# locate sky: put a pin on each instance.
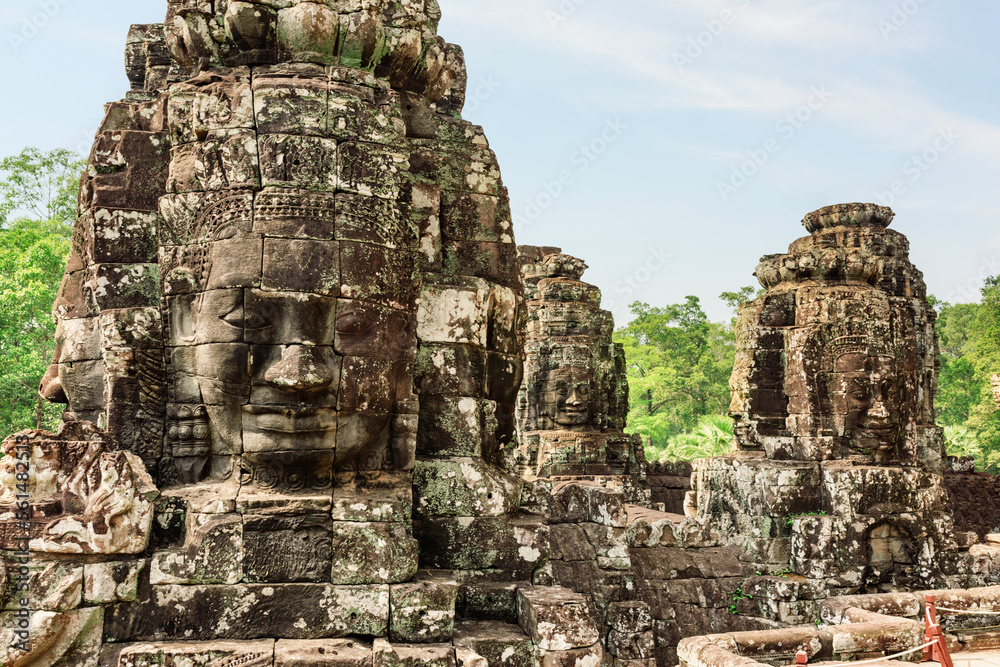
(669, 143)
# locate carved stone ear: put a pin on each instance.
(190, 42)
(308, 32)
(252, 29)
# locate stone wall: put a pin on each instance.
(669, 482)
(974, 499)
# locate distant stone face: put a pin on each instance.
(837, 476)
(574, 399)
(838, 358)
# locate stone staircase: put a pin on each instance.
(432, 620)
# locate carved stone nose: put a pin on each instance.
(574, 398)
(301, 369)
(51, 388)
(878, 410)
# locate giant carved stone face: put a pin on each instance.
(566, 394)
(865, 402)
(286, 283)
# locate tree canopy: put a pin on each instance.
(37, 210)
(679, 365)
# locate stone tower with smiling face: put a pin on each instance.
(573, 402)
(838, 471)
(289, 342)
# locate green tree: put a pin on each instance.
(679, 365)
(736, 299)
(711, 436)
(983, 347)
(40, 190)
(40, 185)
(960, 385)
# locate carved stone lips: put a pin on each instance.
(285, 419)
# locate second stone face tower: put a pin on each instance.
(574, 399)
(839, 459)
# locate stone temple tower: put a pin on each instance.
(289, 343)
(573, 402)
(839, 461)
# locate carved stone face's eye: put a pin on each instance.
(257, 320)
(354, 322)
(859, 389)
(235, 317)
(225, 233)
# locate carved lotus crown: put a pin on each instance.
(394, 38)
(846, 246)
(848, 215)
(820, 264)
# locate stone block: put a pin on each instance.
(287, 548)
(371, 220)
(376, 273)
(463, 487)
(308, 33)
(224, 160)
(52, 586)
(294, 161)
(387, 499)
(298, 265)
(517, 545)
(321, 653)
(499, 643)
(570, 543)
(580, 502)
(252, 611)
(182, 653)
(449, 370)
(454, 314)
(125, 285)
(235, 263)
(580, 657)
(75, 298)
(122, 237)
(214, 553)
(402, 655)
(474, 217)
(290, 105)
(71, 638)
(556, 619)
(370, 553)
(423, 610)
(203, 217)
(370, 170)
(115, 581)
(295, 213)
(227, 103)
(450, 426)
(468, 658)
(78, 340)
(488, 601)
(495, 262)
(351, 115)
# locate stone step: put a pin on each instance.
(476, 645)
(500, 644)
(421, 610)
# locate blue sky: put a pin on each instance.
(669, 143)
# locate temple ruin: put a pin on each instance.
(321, 410)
